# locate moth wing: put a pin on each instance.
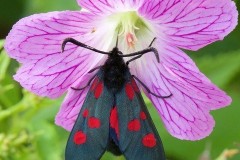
(89, 137)
(138, 137)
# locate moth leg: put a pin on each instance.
(148, 90)
(142, 52)
(92, 70)
(71, 40)
(89, 82)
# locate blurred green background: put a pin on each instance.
(27, 129)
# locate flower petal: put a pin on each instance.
(74, 100)
(36, 42)
(37, 36)
(109, 6)
(71, 106)
(192, 24)
(186, 112)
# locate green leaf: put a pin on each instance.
(39, 6)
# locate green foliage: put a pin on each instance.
(27, 129)
(39, 6)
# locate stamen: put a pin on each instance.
(128, 23)
(130, 40)
(93, 30)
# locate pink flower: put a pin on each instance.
(35, 42)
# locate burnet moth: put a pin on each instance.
(114, 116)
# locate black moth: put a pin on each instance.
(114, 116)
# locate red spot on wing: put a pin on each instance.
(94, 84)
(143, 115)
(94, 122)
(79, 138)
(149, 140)
(129, 91)
(134, 85)
(134, 125)
(98, 90)
(85, 113)
(114, 120)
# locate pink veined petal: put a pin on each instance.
(74, 100)
(72, 105)
(109, 6)
(40, 35)
(186, 113)
(35, 42)
(191, 24)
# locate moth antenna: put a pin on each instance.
(150, 45)
(155, 51)
(80, 44)
(140, 53)
(64, 44)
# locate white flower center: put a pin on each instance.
(133, 31)
(130, 26)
